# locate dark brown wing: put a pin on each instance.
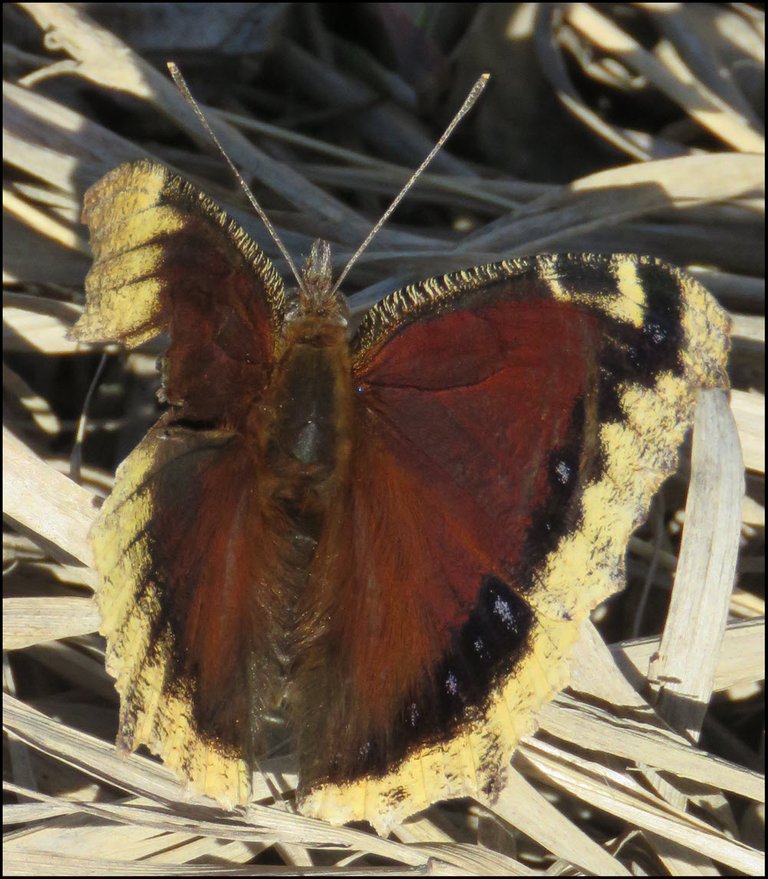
(512, 424)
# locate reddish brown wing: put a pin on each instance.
(189, 566)
(512, 422)
(167, 259)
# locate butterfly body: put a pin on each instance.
(303, 421)
(393, 538)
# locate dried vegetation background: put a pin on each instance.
(610, 127)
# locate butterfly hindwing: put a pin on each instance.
(512, 423)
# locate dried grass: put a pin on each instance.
(616, 781)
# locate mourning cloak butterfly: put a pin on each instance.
(392, 540)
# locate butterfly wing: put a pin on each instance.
(167, 259)
(188, 562)
(511, 425)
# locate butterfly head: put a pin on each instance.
(316, 296)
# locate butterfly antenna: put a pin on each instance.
(474, 94)
(181, 85)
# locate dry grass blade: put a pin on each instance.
(28, 621)
(741, 660)
(43, 501)
(684, 668)
(622, 128)
(591, 203)
(37, 407)
(749, 413)
(33, 324)
(707, 108)
(614, 792)
(596, 730)
(524, 807)
(106, 60)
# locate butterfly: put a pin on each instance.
(387, 542)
